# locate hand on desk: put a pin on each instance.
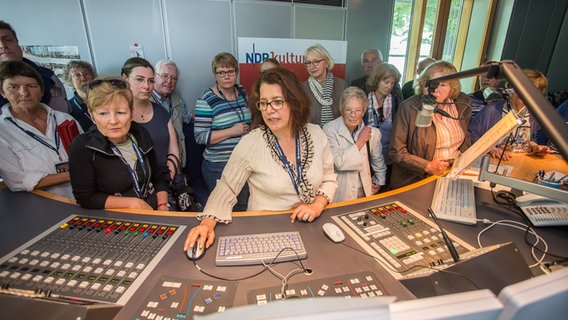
(309, 212)
(534, 149)
(496, 153)
(205, 231)
(538, 150)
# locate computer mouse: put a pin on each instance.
(195, 253)
(333, 232)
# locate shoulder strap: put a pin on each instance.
(174, 160)
(369, 158)
(241, 92)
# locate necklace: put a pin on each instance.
(140, 114)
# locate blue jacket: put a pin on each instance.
(489, 116)
(541, 138)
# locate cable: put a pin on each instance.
(504, 198)
(266, 267)
(528, 223)
(507, 200)
(284, 279)
(447, 115)
(413, 267)
(520, 226)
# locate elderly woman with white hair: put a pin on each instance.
(357, 152)
(323, 88)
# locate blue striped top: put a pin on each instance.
(215, 113)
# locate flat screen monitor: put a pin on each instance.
(542, 297)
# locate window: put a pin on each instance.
(423, 28)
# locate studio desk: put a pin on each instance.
(24, 216)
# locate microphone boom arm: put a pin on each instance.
(553, 126)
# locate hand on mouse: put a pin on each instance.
(205, 231)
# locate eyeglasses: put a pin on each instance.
(222, 74)
(276, 104)
(313, 62)
(357, 112)
(167, 76)
(117, 83)
(81, 75)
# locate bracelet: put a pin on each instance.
(162, 204)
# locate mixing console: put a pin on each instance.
(362, 284)
(399, 237)
(87, 258)
(175, 298)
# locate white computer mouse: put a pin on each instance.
(333, 232)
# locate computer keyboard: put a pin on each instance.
(258, 248)
(454, 200)
(547, 214)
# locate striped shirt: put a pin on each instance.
(449, 134)
(215, 113)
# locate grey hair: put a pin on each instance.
(375, 51)
(353, 92)
(75, 64)
(165, 62)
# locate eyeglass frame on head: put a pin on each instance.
(222, 74)
(314, 62)
(116, 83)
(270, 103)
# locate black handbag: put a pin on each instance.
(182, 193)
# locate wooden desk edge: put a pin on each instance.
(56, 197)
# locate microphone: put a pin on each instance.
(426, 113)
(449, 244)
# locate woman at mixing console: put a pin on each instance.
(114, 165)
(286, 161)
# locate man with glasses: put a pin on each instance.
(54, 94)
(165, 94)
(370, 58)
(77, 75)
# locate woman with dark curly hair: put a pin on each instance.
(286, 161)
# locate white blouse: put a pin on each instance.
(271, 188)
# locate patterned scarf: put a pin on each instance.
(305, 188)
(323, 96)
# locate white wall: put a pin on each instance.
(191, 32)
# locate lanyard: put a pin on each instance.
(139, 186)
(287, 164)
(40, 140)
(240, 113)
